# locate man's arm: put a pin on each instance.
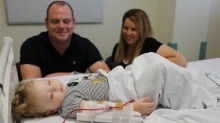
(59, 74)
(98, 65)
(29, 71)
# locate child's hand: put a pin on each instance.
(143, 107)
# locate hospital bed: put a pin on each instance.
(9, 79)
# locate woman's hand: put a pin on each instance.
(144, 107)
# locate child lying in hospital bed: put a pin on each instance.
(150, 75)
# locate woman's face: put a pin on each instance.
(130, 32)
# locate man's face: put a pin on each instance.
(60, 23)
(49, 94)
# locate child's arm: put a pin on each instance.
(143, 107)
(82, 104)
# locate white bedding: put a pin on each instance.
(191, 115)
(184, 116)
(208, 65)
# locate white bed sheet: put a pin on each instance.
(191, 115)
(208, 65)
(164, 115)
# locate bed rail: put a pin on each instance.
(7, 43)
(8, 80)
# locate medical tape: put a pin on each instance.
(119, 106)
(126, 113)
(116, 114)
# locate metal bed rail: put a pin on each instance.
(8, 80)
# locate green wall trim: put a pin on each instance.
(202, 52)
(172, 45)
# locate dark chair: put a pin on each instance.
(19, 71)
(109, 62)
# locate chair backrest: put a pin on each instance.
(109, 62)
(19, 71)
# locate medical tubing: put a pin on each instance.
(95, 109)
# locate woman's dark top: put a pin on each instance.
(150, 45)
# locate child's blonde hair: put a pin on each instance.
(24, 103)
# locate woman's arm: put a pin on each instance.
(172, 55)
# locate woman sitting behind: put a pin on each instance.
(136, 39)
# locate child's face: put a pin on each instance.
(49, 93)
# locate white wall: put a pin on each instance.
(104, 35)
(191, 26)
(213, 45)
(165, 20)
